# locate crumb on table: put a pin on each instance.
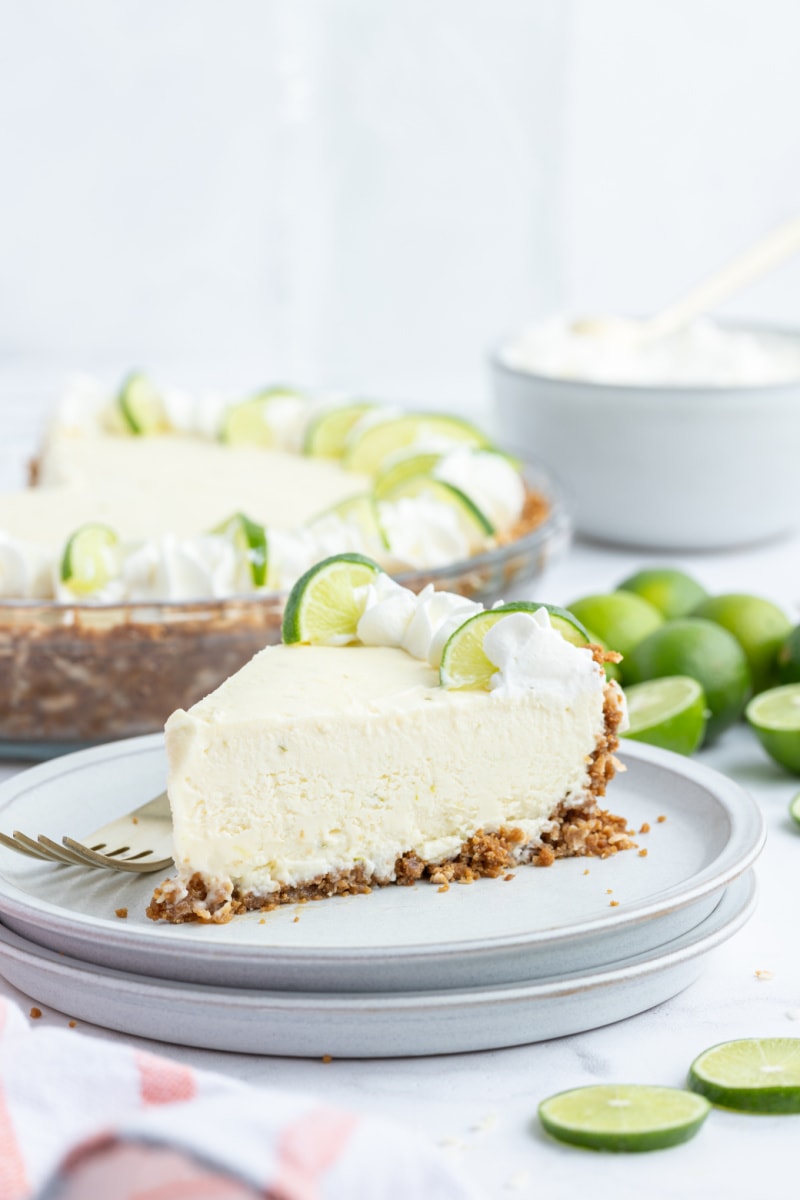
(73, 1024)
(643, 853)
(645, 827)
(35, 1014)
(121, 913)
(613, 904)
(509, 876)
(661, 819)
(326, 1058)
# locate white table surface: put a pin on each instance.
(481, 1108)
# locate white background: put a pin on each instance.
(344, 193)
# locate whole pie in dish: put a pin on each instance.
(391, 737)
(152, 555)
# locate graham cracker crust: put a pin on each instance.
(576, 831)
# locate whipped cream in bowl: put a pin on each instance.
(675, 444)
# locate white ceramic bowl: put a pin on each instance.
(668, 467)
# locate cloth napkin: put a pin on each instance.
(90, 1119)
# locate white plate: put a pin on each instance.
(543, 922)
(310, 1024)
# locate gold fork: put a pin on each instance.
(138, 836)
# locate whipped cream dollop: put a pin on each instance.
(489, 479)
(704, 354)
(528, 652)
(417, 623)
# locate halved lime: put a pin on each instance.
(90, 559)
(250, 540)
(368, 449)
(247, 423)
(673, 592)
(475, 524)
(669, 712)
(361, 512)
(625, 1117)
(465, 663)
(794, 807)
(759, 626)
(141, 406)
(323, 607)
(775, 717)
(399, 470)
(703, 651)
(759, 1075)
(621, 619)
(327, 434)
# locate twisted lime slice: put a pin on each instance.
(624, 1117)
(464, 662)
(90, 559)
(759, 1075)
(669, 712)
(323, 607)
(368, 449)
(361, 512)
(250, 540)
(141, 407)
(247, 423)
(401, 470)
(327, 434)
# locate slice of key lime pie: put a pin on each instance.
(390, 737)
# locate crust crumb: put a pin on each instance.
(661, 819)
(35, 1014)
(643, 852)
(645, 827)
(121, 913)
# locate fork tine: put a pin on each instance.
(5, 840)
(118, 864)
(60, 852)
(28, 844)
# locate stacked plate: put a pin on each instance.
(403, 971)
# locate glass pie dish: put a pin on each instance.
(76, 674)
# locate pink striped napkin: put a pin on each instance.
(96, 1120)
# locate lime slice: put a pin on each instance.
(141, 407)
(464, 662)
(247, 423)
(705, 652)
(368, 449)
(673, 592)
(400, 470)
(323, 607)
(789, 658)
(362, 513)
(759, 626)
(475, 524)
(794, 808)
(619, 618)
(760, 1075)
(775, 716)
(327, 434)
(668, 712)
(624, 1117)
(250, 540)
(90, 559)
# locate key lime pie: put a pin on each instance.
(153, 556)
(392, 736)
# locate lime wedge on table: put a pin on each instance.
(141, 406)
(624, 1117)
(759, 626)
(759, 1075)
(247, 423)
(673, 592)
(90, 559)
(668, 712)
(775, 717)
(703, 651)
(464, 662)
(361, 512)
(369, 448)
(327, 434)
(474, 522)
(619, 618)
(794, 808)
(323, 607)
(250, 540)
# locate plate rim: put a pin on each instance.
(17, 903)
(694, 943)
